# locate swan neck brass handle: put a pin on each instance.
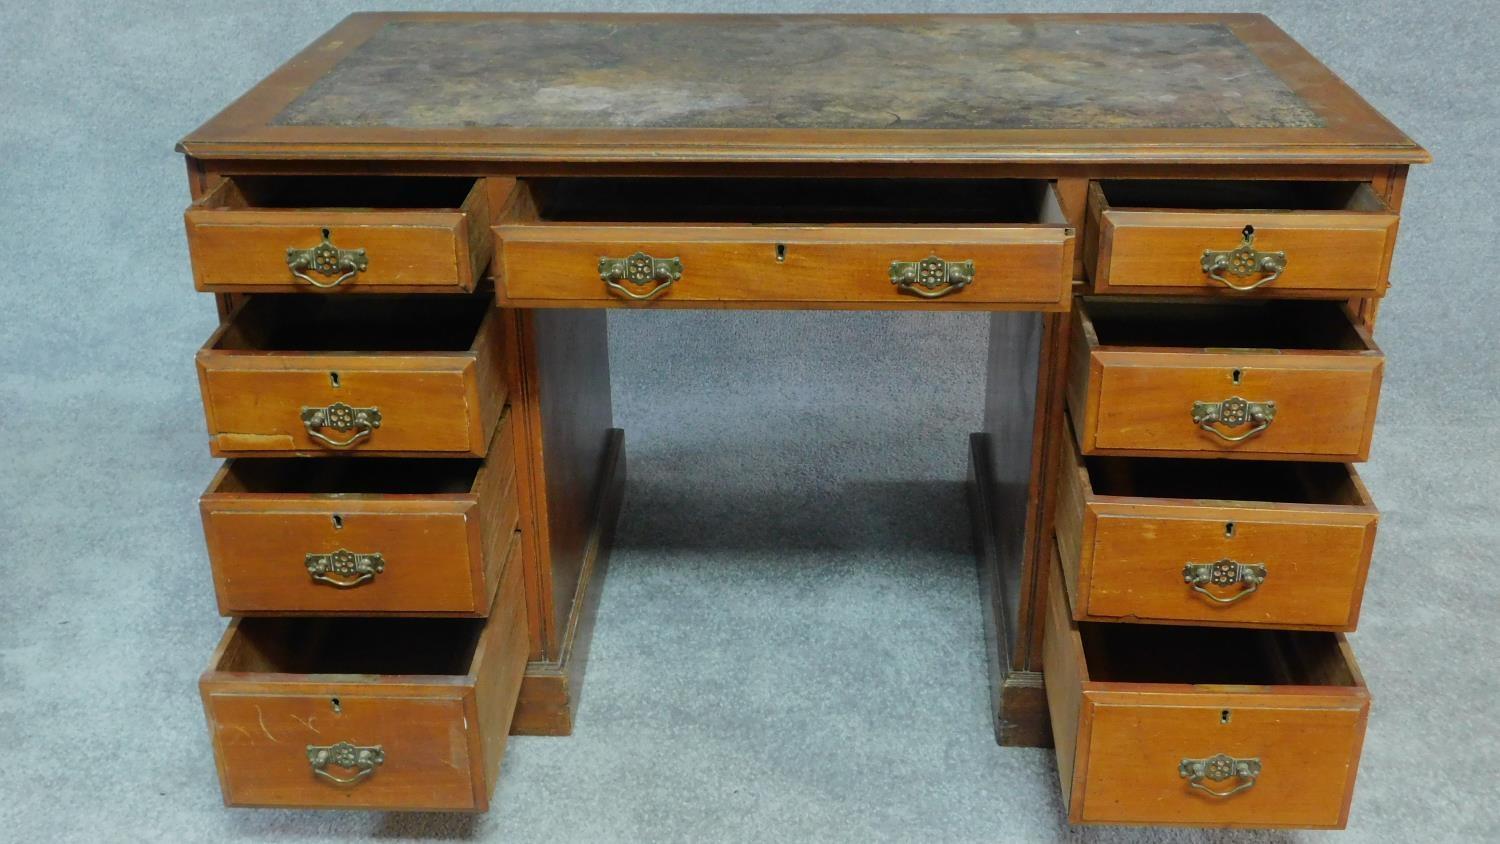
(326, 260)
(641, 271)
(1234, 412)
(1218, 768)
(1243, 261)
(1223, 574)
(340, 417)
(344, 569)
(932, 277)
(361, 759)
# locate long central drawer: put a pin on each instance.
(850, 243)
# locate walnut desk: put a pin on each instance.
(1182, 225)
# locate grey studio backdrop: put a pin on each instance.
(789, 645)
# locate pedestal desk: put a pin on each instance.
(1182, 225)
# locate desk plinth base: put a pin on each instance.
(1018, 700)
(550, 689)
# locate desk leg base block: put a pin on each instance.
(1018, 700)
(550, 690)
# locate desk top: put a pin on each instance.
(946, 88)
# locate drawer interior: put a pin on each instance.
(1225, 480)
(425, 193)
(785, 200)
(1258, 324)
(369, 323)
(1156, 653)
(1227, 195)
(375, 646)
(389, 476)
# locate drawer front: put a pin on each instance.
(239, 248)
(1321, 253)
(1143, 402)
(1308, 749)
(1126, 744)
(430, 741)
(748, 266)
(256, 404)
(418, 557)
(350, 550)
(1202, 559)
(1313, 572)
(264, 740)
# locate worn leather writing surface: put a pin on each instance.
(800, 73)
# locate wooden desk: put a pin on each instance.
(1182, 225)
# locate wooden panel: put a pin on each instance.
(1138, 398)
(1121, 741)
(430, 401)
(1018, 700)
(542, 263)
(443, 551)
(550, 692)
(237, 245)
(1123, 555)
(1330, 253)
(574, 418)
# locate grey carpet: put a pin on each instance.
(789, 642)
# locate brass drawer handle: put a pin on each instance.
(1224, 573)
(640, 270)
(363, 760)
(1244, 261)
(1218, 768)
(343, 568)
(327, 260)
(1234, 412)
(340, 417)
(932, 277)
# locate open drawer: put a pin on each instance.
(1214, 542)
(378, 375)
(1202, 726)
(367, 713)
(343, 233)
(420, 536)
(1264, 379)
(725, 242)
(1317, 239)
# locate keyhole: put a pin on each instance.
(333, 378)
(1235, 377)
(325, 234)
(781, 253)
(338, 522)
(337, 707)
(1229, 529)
(1224, 717)
(1248, 232)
